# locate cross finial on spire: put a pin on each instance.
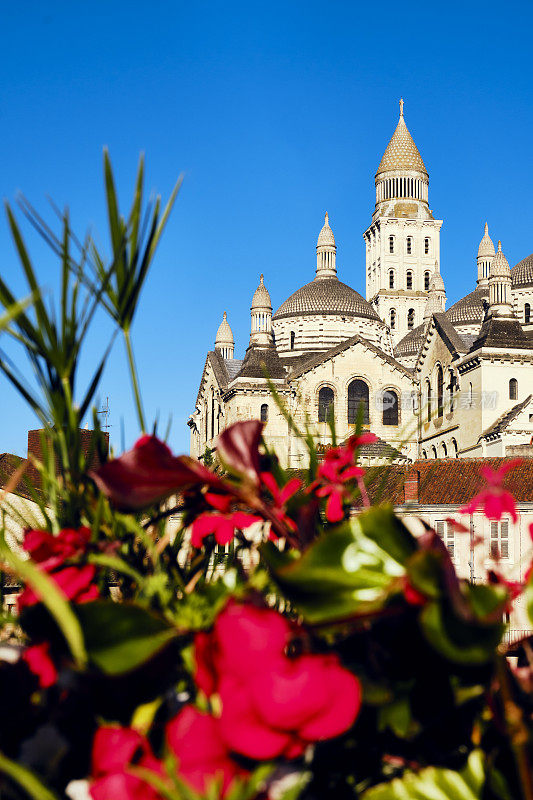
(261, 279)
(224, 315)
(326, 218)
(499, 246)
(401, 106)
(486, 227)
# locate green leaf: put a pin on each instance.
(435, 783)
(52, 597)
(381, 524)
(116, 564)
(460, 641)
(122, 636)
(343, 572)
(24, 778)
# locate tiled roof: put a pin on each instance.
(377, 451)
(411, 342)
(505, 420)
(447, 481)
(259, 360)
(502, 334)
(470, 309)
(449, 334)
(326, 296)
(233, 366)
(522, 273)
(9, 464)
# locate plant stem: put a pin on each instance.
(516, 730)
(134, 380)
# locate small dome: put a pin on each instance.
(522, 273)
(486, 247)
(401, 152)
(500, 266)
(411, 343)
(470, 310)
(261, 298)
(325, 237)
(328, 296)
(224, 333)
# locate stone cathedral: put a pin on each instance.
(429, 382)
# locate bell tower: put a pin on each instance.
(403, 239)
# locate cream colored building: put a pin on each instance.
(432, 383)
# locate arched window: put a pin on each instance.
(409, 280)
(426, 281)
(444, 450)
(433, 452)
(409, 244)
(411, 318)
(470, 394)
(513, 389)
(391, 244)
(428, 399)
(455, 450)
(358, 395)
(391, 279)
(293, 337)
(393, 318)
(424, 454)
(325, 404)
(527, 313)
(451, 386)
(390, 407)
(212, 413)
(264, 413)
(440, 391)
(426, 246)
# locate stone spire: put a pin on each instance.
(500, 304)
(326, 251)
(261, 316)
(224, 340)
(401, 152)
(485, 254)
(436, 301)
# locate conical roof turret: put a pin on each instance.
(486, 246)
(326, 237)
(224, 333)
(326, 252)
(500, 266)
(261, 298)
(401, 152)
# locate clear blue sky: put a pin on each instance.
(274, 112)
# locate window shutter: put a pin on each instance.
(450, 540)
(494, 549)
(504, 539)
(440, 528)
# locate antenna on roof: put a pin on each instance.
(105, 412)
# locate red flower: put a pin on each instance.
(114, 750)
(337, 469)
(202, 753)
(40, 663)
(495, 500)
(412, 595)
(238, 448)
(272, 705)
(281, 497)
(75, 582)
(148, 473)
(222, 526)
(51, 550)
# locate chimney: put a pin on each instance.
(411, 486)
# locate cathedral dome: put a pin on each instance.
(470, 310)
(522, 273)
(486, 246)
(328, 296)
(224, 333)
(325, 237)
(401, 152)
(411, 343)
(261, 298)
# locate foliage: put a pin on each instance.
(285, 639)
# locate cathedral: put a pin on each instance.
(431, 383)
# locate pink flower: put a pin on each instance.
(272, 705)
(335, 472)
(39, 661)
(149, 473)
(495, 500)
(203, 755)
(50, 551)
(280, 497)
(114, 751)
